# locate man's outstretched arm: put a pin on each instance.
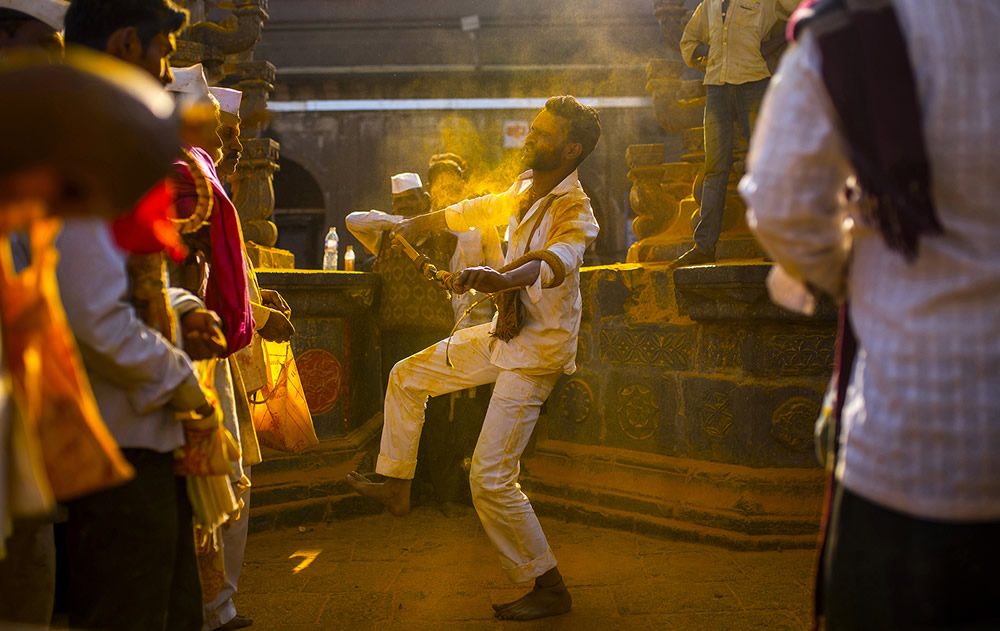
(488, 280)
(411, 228)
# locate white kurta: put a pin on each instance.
(368, 226)
(547, 343)
(479, 246)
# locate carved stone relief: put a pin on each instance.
(792, 423)
(576, 401)
(638, 411)
(716, 417)
(669, 349)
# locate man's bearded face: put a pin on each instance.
(545, 143)
(232, 148)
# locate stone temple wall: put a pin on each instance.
(691, 413)
(701, 365)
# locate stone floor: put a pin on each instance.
(431, 572)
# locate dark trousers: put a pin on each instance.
(724, 104)
(28, 574)
(130, 553)
(885, 570)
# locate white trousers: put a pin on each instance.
(234, 543)
(504, 510)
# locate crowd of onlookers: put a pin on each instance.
(132, 324)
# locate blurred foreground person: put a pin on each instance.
(32, 25)
(894, 103)
(58, 163)
(131, 558)
(530, 344)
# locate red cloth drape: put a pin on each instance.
(227, 293)
(148, 229)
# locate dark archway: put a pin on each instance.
(299, 213)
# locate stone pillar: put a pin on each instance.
(253, 193)
(226, 51)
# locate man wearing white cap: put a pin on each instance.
(396, 324)
(270, 315)
(32, 24)
(413, 311)
(229, 115)
(201, 125)
(401, 308)
(408, 200)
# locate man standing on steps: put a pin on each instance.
(728, 40)
(528, 346)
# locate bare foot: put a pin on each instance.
(540, 602)
(394, 493)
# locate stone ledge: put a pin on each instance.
(734, 290)
(311, 511)
(666, 528)
(328, 453)
(264, 257)
(735, 506)
(325, 294)
(294, 489)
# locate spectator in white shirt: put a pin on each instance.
(916, 512)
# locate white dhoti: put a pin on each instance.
(504, 510)
(234, 543)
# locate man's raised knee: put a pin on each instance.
(486, 484)
(397, 376)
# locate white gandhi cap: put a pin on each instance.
(403, 182)
(229, 99)
(52, 12)
(190, 81)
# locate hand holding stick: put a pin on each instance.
(429, 270)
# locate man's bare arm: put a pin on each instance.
(409, 229)
(488, 280)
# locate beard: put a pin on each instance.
(539, 160)
(227, 166)
(216, 155)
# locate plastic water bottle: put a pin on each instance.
(330, 250)
(349, 259)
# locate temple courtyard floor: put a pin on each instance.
(436, 573)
